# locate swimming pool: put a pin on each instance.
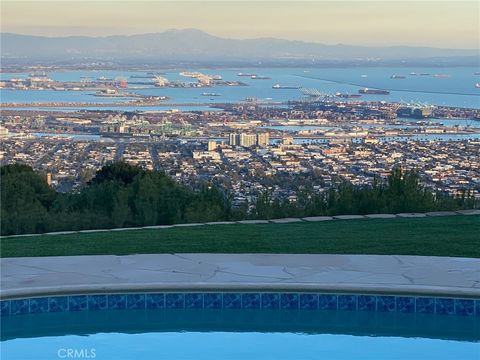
(239, 326)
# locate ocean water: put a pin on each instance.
(420, 137)
(408, 124)
(457, 89)
(156, 108)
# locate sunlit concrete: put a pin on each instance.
(299, 272)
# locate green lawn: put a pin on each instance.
(439, 236)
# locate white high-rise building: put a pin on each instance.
(248, 140)
(212, 145)
(234, 139)
(263, 139)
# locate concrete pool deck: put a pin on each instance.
(422, 275)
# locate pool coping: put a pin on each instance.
(127, 288)
(364, 274)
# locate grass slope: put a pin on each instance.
(437, 236)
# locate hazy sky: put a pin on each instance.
(454, 24)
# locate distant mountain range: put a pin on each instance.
(195, 45)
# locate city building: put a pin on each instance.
(263, 139)
(248, 140)
(3, 132)
(212, 145)
(287, 140)
(234, 139)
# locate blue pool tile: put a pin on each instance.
(58, 303)
(405, 304)
(135, 301)
(5, 307)
(309, 301)
(155, 301)
(117, 302)
(97, 302)
(212, 301)
(289, 301)
(386, 303)
(347, 302)
(327, 302)
(232, 301)
(38, 305)
(19, 307)
(251, 301)
(175, 301)
(366, 303)
(445, 306)
(270, 301)
(424, 305)
(194, 301)
(464, 307)
(78, 303)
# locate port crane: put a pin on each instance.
(415, 104)
(311, 92)
(315, 95)
(86, 80)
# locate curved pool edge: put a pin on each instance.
(429, 281)
(364, 289)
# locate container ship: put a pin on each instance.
(373, 91)
(141, 76)
(104, 78)
(278, 86)
(37, 74)
(347, 96)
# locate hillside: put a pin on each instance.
(188, 45)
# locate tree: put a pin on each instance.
(25, 200)
(122, 195)
(117, 171)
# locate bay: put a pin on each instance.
(454, 86)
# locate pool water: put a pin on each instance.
(197, 334)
